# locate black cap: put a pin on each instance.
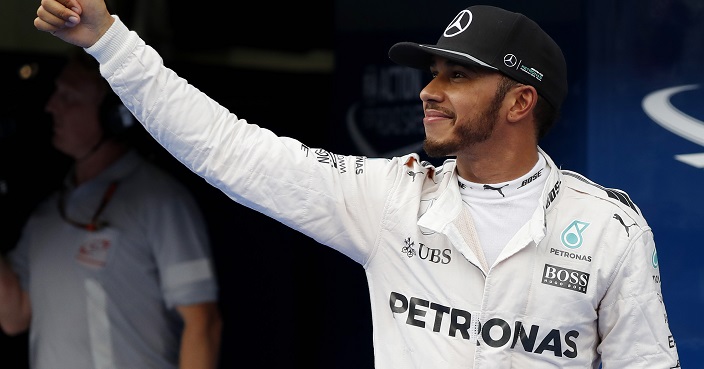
(495, 38)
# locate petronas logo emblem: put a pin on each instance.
(572, 235)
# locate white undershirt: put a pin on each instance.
(499, 210)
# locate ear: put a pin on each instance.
(523, 99)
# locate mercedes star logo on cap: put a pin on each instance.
(510, 60)
(459, 24)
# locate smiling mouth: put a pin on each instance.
(435, 112)
(436, 117)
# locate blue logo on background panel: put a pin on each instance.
(572, 235)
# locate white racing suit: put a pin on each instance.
(578, 284)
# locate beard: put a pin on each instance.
(473, 131)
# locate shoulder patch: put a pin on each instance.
(615, 194)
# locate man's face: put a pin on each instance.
(75, 106)
(461, 107)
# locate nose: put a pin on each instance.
(432, 91)
(50, 106)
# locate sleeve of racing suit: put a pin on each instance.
(310, 190)
(632, 318)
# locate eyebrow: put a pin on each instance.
(453, 64)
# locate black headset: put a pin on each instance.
(116, 120)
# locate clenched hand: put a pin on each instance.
(79, 22)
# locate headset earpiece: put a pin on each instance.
(115, 118)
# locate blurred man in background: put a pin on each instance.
(113, 270)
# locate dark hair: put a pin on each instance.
(116, 122)
(506, 83)
(87, 62)
(545, 116)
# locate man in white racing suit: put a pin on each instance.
(496, 259)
